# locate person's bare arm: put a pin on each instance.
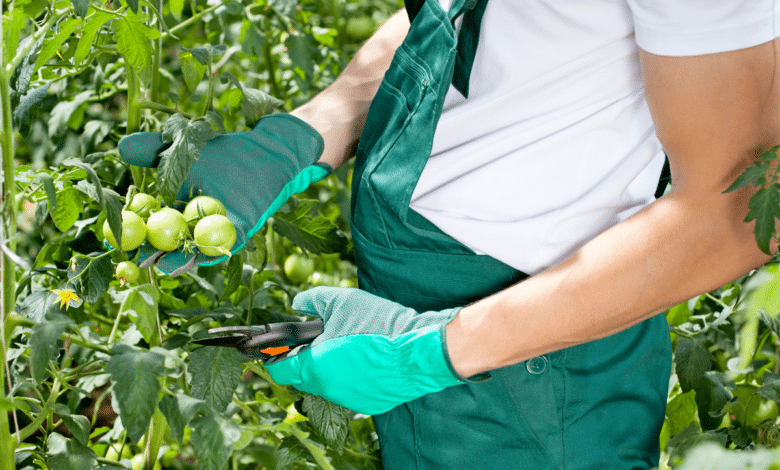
(338, 113)
(714, 114)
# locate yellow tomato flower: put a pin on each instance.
(65, 296)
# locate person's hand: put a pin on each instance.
(373, 355)
(252, 173)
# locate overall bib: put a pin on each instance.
(596, 406)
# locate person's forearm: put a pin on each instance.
(339, 112)
(674, 249)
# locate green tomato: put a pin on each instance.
(200, 207)
(215, 235)
(348, 282)
(139, 463)
(298, 268)
(167, 229)
(752, 409)
(133, 231)
(143, 204)
(360, 28)
(113, 452)
(127, 272)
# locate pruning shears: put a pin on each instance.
(263, 341)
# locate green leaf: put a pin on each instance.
(133, 4)
(13, 23)
(284, 7)
(681, 411)
(68, 454)
(135, 375)
(51, 191)
(691, 360)
(300, 50)
(78, 425)
(67, 210)
(754, 175)
(192, 70)
(113, 210)
(62, 112)
(252, 39)
(44, 340)
(28, 103)
(23, 73)
(679, 314)
(133, 42)
(177, 7)
(179, 411)
(764, 208)
(212, 438)
(95, 281)
(234, 271)
(187, 137)
(761, 292)
(141, 305)
(289, 452)
(313, 233)
(257, 104)
(81, 7)
(92, 177)
(94, 23)
(53, 45)
(202, 54)
(691, 437)
(215, 375)
(35, 305)
(330, 420)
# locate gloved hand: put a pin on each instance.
(374, 354)
(252, 173)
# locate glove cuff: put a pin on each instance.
(474, 378)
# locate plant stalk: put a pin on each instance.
(134, 117)
(7, 269)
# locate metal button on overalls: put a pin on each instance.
(536, 365)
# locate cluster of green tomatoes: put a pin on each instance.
(202, 224)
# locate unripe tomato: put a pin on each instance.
(752, 409)
(215, 235)
(200, 207)
(360, 28)
(127, 272)
(167, 229)
(139, 463)
(298, 268)
(133, 231)
(143, 204)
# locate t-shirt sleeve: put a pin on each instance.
(697, 27)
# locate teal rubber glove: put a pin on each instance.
(373, 355)
(252, 173)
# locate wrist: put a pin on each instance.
(467, 367)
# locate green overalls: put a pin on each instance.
(596, 406)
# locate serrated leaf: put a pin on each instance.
(257, 104)
(316, 234)
(68, 454)
(44, 341)
(53, 45)
(216, 120)
(187, 138)
(234, 272)
(753, 175)
(764, 208)
(62, 112)
(215, 375)
(289, 452)
(29, 102)
(330, 420)
(95, 281)
(94, 23)
(141, 304)
(81, 7)
(212, 438)
(300, 51)
(217, 50)
(678, 314)
(67, 209)
(192, 70)
(78, 425)
(179, 411)
(284, 7)
(136, 386)
(691, 360)
(35, 305)
(252, 39)
(133, 4)
(23, 73)
(133, 42)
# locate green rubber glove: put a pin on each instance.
(374, 354)
(252, 173)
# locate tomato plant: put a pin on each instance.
(101, 369)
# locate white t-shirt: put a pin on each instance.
(555, 143)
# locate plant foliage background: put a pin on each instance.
(101, 375)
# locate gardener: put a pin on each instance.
(531, 150)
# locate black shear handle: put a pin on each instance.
(287, 334)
